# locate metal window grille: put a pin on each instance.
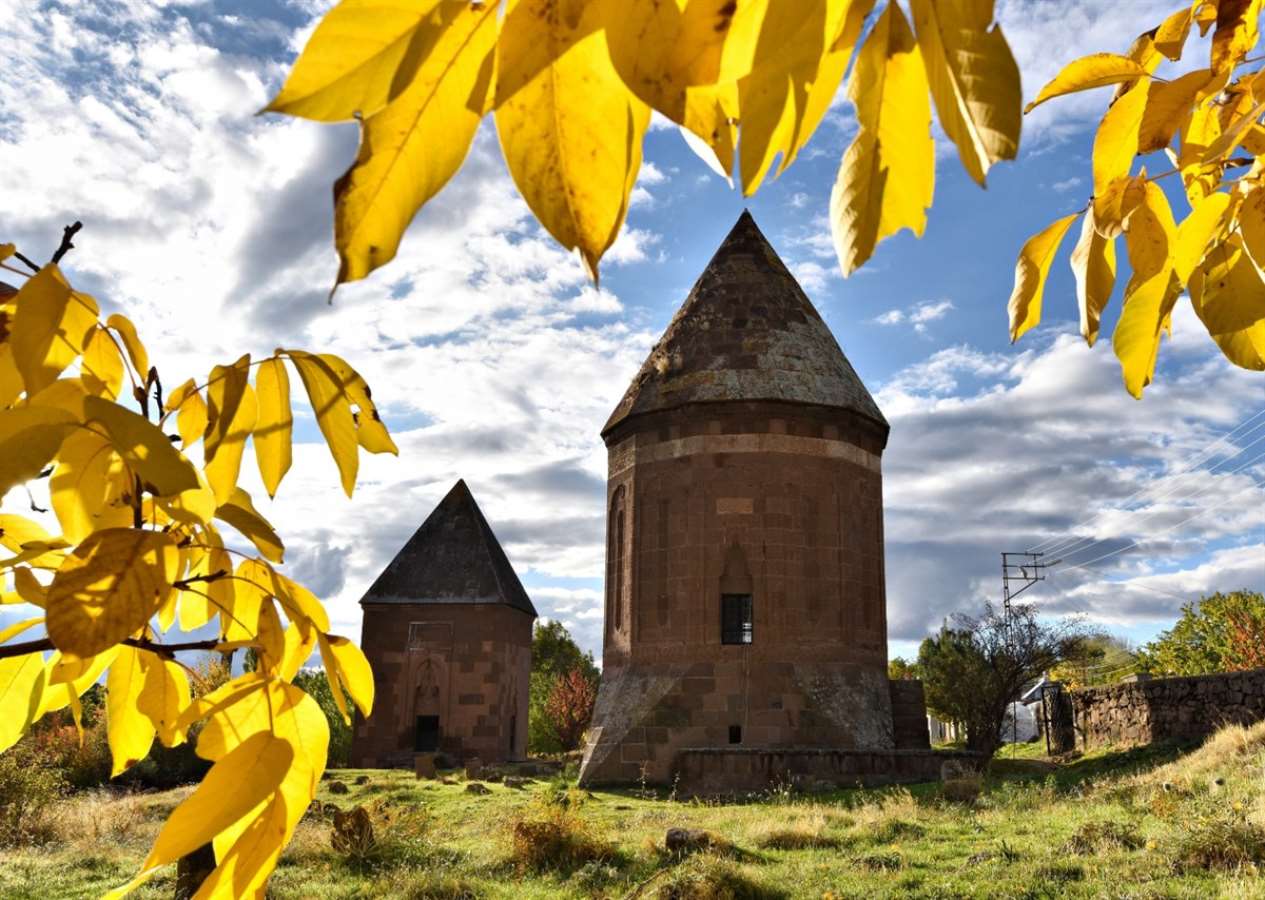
(737, 625)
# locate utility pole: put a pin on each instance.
(1019, 571)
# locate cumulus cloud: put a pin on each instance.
(916, 316)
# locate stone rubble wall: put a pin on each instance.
(1158, 709)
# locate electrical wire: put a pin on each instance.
(1065, 547)
(1189, 466)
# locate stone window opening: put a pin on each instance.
(735, 734)
(615, 559)
(737, 624)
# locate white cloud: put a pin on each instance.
(917, 315)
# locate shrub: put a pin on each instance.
(962, 790)
(27, 792)
(708, 877)
(1101, 837)
(554, 837)
(1222, 840)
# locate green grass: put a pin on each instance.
(1153, 823)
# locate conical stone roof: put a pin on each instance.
(747, 331)
(453, 558)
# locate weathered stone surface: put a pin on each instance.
(745, 459)
(424, 765)
(338, 787)
(447, 629)
(686, 840)
(474, 769)
(476, 787)
(1157, 709)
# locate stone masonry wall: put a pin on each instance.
(909, 715)
(1160, 709)
(467, 663)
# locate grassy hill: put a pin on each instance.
(1140, 824)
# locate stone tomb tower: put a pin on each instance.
(447, 629)
(745, 603)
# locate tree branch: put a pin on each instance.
(66, 246)
(33, 267)
(22, 648)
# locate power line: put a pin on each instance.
(1259, 458)
(1187, 467)
(1065, 544)
(1132, 544)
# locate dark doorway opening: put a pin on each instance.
(735, 734)
(426, 740)
(513, 733)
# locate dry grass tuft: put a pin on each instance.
(965, 790)
(551, 837)
(1224, 840)
(805, 831)
(710, 877)
(1102, 837)
(1225, 751)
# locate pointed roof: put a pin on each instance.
(453, 558)
(747, 331)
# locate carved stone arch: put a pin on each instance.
(616, 578)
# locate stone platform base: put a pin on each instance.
(727, 770)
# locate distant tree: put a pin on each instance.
(570, 707)
(1217, 633)
(973, 670)
(554, 654)
(1101, 658)
(900, 669)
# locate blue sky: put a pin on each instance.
(495, 360)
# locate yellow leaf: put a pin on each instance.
(1170, 38)
(144, 448)
(711, 110)
(1196, 232)
(240, 512)
(135, 349)
(7, 250)
(300, 604)
(192, 419)
(80, 485)
(235, 785)
(10, 378)
(271, 638)
(685, 57)
(361, 56)
(28, 587)
(1094, 265)
(799, 62)
(130, 733)
(225, 465)
(1199, 132)
(102, 366)
(29, 438)
(1151, 292)
(1088, 72)
(887, 176)
(1236, 32)
(50, 326)
(251, 586)
(192, 507)
(65, 394)
(272, 436)
(22, 681)
(570, 133)
(1168, 106)
(194, 609)
(17, 628)
(108, 587)
(299, 643)
(1116, 142)
(371, 434)
(21, 535)
(332, 407)
(1030, 272)
(163, 697)
(1252, 226)
(1113, 206)
(1229, 298)
(346, 664)
(974, 80)
(410, 149)
(1232, 135)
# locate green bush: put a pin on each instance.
(27, 793)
